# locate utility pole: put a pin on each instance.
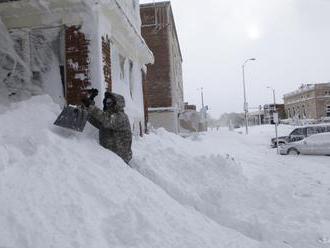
(202, 96)
(275, 118)
(246, 107)
(260, 108)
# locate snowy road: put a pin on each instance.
(279, 200)
(300, 184)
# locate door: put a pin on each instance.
(318, 144)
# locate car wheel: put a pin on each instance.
(293, 151)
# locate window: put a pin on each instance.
(316, 130)
(328, 111)
(298, 131)
(131, 78)
(122, 66)
(304, 111)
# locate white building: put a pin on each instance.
(68, 46)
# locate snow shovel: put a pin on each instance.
(72, 117)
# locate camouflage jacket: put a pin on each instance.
(114, 128)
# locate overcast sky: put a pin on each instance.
(289, 38)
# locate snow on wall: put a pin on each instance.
(14, 72)
(30, 62)
(95, 22)
(127, 81)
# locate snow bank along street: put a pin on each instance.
(61, 189)
(220, 189)
(267, 197)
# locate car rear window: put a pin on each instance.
(318, 129)
(298, 131)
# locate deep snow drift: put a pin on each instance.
(278, 200)
(61, 189)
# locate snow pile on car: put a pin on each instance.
(61, 189)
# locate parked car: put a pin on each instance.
(317, 144)
(301, 133)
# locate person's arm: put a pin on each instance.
(96, 116)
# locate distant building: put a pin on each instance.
(188, 106)
(163, 83)
(191, 120)
(269, 110)
(311, 101)
(256, 118)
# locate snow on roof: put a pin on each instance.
(302, 89)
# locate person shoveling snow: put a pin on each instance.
(113, 124)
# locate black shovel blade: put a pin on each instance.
(74, 118)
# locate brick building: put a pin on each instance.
(311, 101)
(188, 106)
(163, 82)
(71, 46)
(270, 109)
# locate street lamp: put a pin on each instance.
(246, 108)
(275, 117)
(203, 110)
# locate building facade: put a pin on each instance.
(270, 109)
(163, 82)
(69, 47)
(256, 118)
(311, 101)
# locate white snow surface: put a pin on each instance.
(221, 189)
(241, 183)
(61, 189)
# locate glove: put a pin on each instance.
(87, 102)
(93, 93)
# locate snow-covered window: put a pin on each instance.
(297, 131)
(328, 111)
(131, 77)
(304, 111)
(122, 66)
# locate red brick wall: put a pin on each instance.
(77, 65)
(157, 81)
(106, 56)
